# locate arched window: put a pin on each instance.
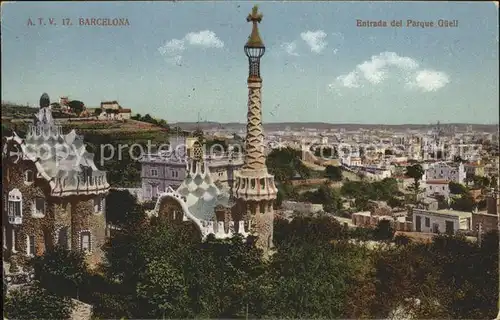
(99, 204)
(39, 206)
(30, 245)
(262, 208)
(85, 241)
(15, 200)
(63, 237)
(29, 177)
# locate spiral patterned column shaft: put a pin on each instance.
(254, 148)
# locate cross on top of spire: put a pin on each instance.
(254, 39)
(255, 16)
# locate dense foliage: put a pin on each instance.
(36, 302)
(157, 270)
(122, 208)
(61, 271)
(149, 119)
(285, 164)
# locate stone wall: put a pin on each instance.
(83, 218)
(307, 182)
(39, 227)
(489, 221)
(304, 207)
(81, 311)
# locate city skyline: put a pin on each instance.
(319, 65)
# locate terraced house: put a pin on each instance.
(52, 192)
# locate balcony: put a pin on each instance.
(15, 219)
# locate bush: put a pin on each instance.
(36, 303)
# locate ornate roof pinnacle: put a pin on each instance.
(254, 40)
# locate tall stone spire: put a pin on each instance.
(255, 190)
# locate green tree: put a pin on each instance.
(147, 118)
(457, 188)
(61, 271)
(76, 106)
(416, 172)
(463, 203)
(122, 208)
(481, 181)
(395, 202)
(34, 302)
(162, 288)
(384, 231)
(333, 173)
(285, 163)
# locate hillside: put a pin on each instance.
(11, 110)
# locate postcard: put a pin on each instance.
(238, 159)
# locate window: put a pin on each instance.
(62, 237)
(85, 243)
(148, 191)
(98, 204)
(28, 177)
(39, 207)
(427, 222)
(262, 207)
(14, 238)
(449, 227)
(15, 203)
(154, 173)
(4, 239)
(30, 245)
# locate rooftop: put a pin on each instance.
(447, 212)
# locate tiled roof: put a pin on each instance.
(61, 159)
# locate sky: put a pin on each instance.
(184, 61)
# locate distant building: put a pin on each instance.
(441, 221)
(64, 101)
(437, 187)
(111, 110)
(111, 105)
(167, 168)
(489, 219)
(474, 169)
(445, 171)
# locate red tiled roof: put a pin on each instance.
(125, 111)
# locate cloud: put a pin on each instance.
(174, 48)
(315, 40)
(430, 80)
(205, 39)
(386, 64)
(349, 80)
(290, 48)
